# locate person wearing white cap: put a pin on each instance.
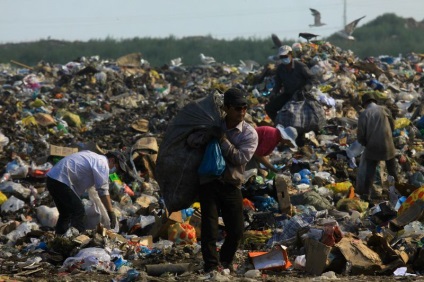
(290, 76)
(268, 139)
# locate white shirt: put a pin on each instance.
(82, 170)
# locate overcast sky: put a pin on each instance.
(29, 20)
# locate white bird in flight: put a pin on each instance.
(247, 66)
(176, 62)
(349, 28)
(317, 18)
(206, 60)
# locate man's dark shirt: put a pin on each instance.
(297, 78)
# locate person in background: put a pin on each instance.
(222, 196)
(375, 129)
(268, 139)
(291, 75)
(71, 177)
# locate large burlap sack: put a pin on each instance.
(177, 163)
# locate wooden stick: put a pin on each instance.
(20, 64)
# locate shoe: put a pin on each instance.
(365, 198)
(210, 269)
(226, 265)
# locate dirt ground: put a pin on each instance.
(287, 277)
(50, 273)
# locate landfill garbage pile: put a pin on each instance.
(303, 222)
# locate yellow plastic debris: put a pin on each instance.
(37, 103)
(3, 198)
(340, 187)
(402, 123)
(30, 120)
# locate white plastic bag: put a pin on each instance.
(21, 231)
(13, 204)
(300, 262)
(355, 149)
(3, 141)
(92, 214)
(10, 187)
(96, 212)
(47, 216)
(91, 258)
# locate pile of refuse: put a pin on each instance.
(305, 221)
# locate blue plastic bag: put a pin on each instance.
(213, 163)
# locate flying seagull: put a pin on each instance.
(206, 60)
(176, 62)
(317, 18)
(277, 42)
(349, 28)
(307, 36)
(247, 66)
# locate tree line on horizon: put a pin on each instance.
(386, 35)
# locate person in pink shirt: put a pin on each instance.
(268, 139)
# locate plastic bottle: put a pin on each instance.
(376, 85)
(256, 93)
(5, 177)
(117, 185)
(343, 138)
(186, 213)
(296, 177)
(33, 197)
(61, 128)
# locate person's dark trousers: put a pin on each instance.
(275, 104)
(218, 197)
(367, 169)
(70, 207)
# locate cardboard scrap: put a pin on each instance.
(161, 225)
(387, 254)
(283, 197)
(277, 258)
(363, 260)
(82, 239)
(142, 241)
(316, 256)
(196, 222)
(61, 151)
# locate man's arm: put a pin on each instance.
(265, 161)
(310, 78)
(390, 118)
(107, 202)
(361, 132)
(109, 209)
(278, 84)
(241, 154)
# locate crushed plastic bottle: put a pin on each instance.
(5, 177)
(413, 228)
(375, 85)
(186, 213)
(131, 275)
